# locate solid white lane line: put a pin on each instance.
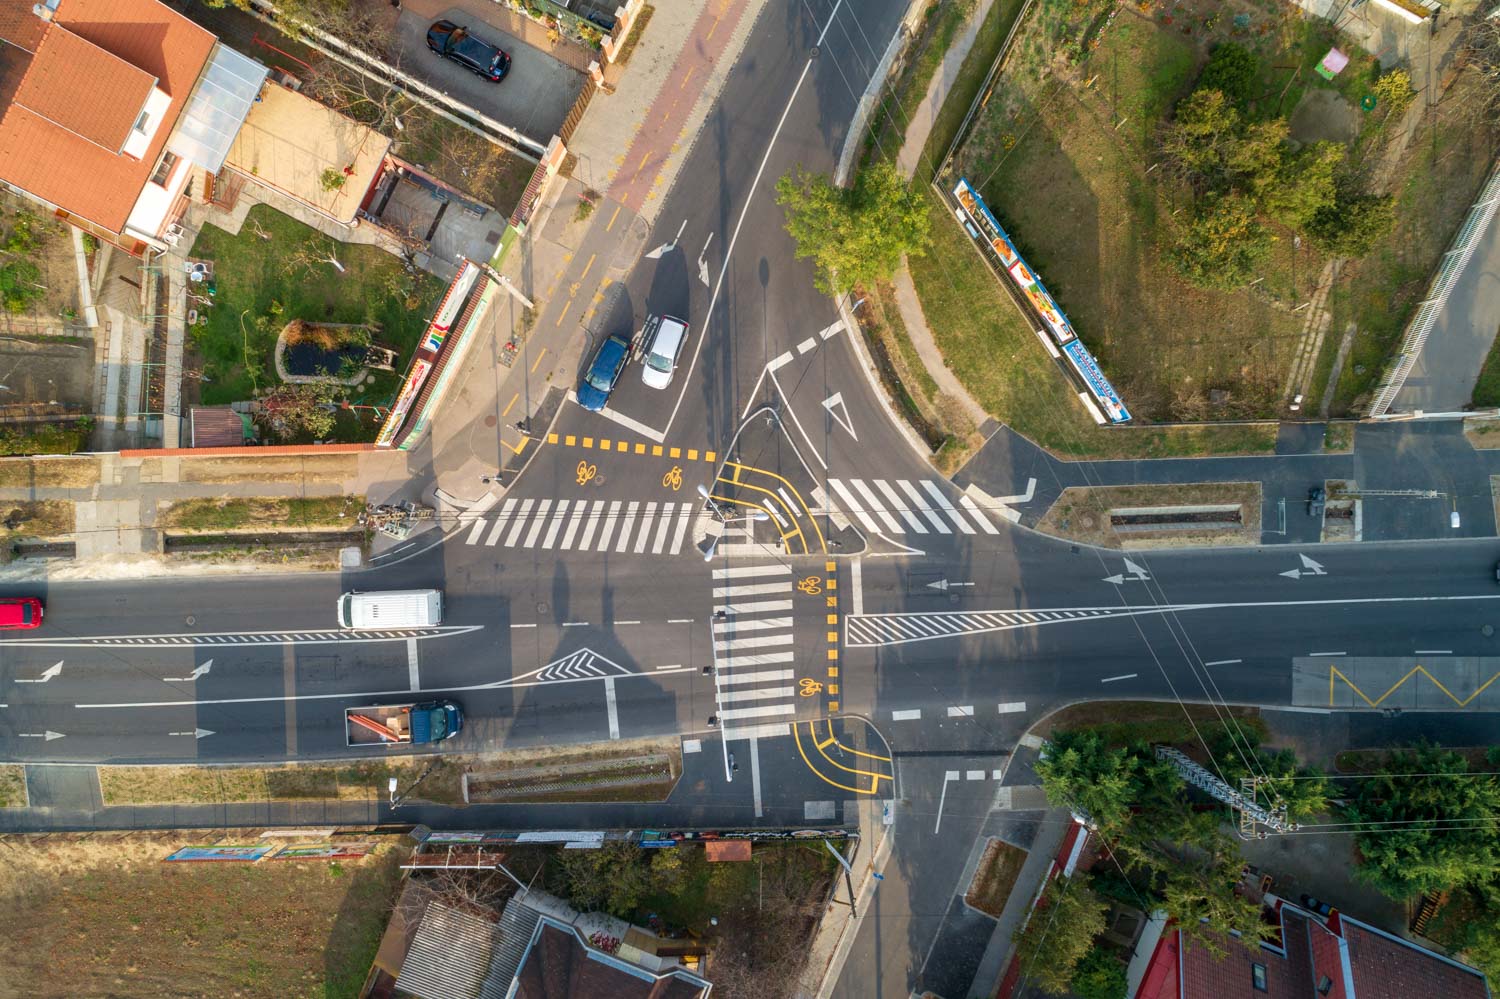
(614, 711)
(574, 523)
(977, 514)
(961, 711)
(557, 523)
(627, 526)
(857, 585)
(942, 501)
(683, 519)
(537, 524)
(752, 624)
(853, 505)
(755, 773)
(900, 507)
(647, 519)
(1327, 653)
(610, 520)
(1122, 676)
(628, 422)
(911, 714)
(575, 624)
(500, 521)
(1224, 662)
(750, 590)
(520, 524)
(1012, 707)
(891, 523)
(741, 571)
(949, 775)
(679, 620)
(412, 672)
(1419, 652)
(627, 622)
(927, 511)
(592, 526)
(660, 544)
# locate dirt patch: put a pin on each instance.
(285, 469)
(1121, 722)
(12, 786)
(1483, 434)
(995, 877)
(35, 519)
(48, 473)
(100, 915)
(1083, 513)
(1338, 438)
(1324, 116)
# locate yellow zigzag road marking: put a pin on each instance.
(1333, 671)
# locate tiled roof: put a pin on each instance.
(1233, 975)
(56, 165)
(1387, 968)
(21, 27)
(216, 426)
(77, 85)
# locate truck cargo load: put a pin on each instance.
(403, 724)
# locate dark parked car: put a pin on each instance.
(603, 372)
(474, 54)
(1315, 499)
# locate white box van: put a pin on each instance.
(391, 609)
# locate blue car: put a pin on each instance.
(599, 380)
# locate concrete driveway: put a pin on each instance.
(535, 95)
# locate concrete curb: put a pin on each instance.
(867, 365)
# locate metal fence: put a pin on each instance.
(1449, 269)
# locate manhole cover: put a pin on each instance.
(191, 620)
(490, 420)
(541, 608)
(1487, 630)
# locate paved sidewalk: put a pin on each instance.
(910, 307)
(920, 125)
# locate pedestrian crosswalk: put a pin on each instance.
(905, 507)
(755, 680)
(618, 526)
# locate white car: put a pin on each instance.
(665, 347)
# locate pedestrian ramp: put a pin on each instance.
(619, 526)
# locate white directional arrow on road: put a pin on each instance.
(195, 674)
(196, 733)
(1309, 568)
(49, 735)
(943, 585)
(660, 251)
(840, 412)
(1133, 573)
(703, 263)
(47, 673)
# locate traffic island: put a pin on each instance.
(1165, 516)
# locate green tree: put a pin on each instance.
(1222, 245)
(1353, 224)
(667, 871)
(1100, 975)
(1231, 70)
(1305, 184)
(1201, 135)
(1254, 160)
(1393, 91)
(1426, 834)
(857, 236)
(1303, 790)
(302, 412)
(614, 878)
(1059, 933)
(1080, 771)
(1199, 893)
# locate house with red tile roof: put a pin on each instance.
(109, 109)
(1312, 957)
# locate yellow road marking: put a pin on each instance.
(551, 438)
(603, 445)
(868, 756)
(586, 268)
(1334, 671)
(538, 360)
(675, 452)
(515, 448)
(825, 742)
(692, 454)
(877, 777)
(569, 440)
(612, 218)
(656, 450)
(640, 448)
(796, 734)
(506, 412)
(823, 544)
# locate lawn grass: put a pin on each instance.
(1082, 513)
(12, 786)
(976, 66)
(49, 473)
(35, 519)
(286, 468)
(351, 781)
(709, 889)
(100, 915)
(1487, 388)
(208, 515)
(253, 281)
(942, 22)
(1338, 438)
(995, 877)
(1120, 723)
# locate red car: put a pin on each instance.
(20, 612)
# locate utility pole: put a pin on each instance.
(1252, 815)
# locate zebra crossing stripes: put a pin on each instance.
(906, 507)
(872, 630)
(755, 681)
(654, 528)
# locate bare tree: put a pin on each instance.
(1480, 54)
